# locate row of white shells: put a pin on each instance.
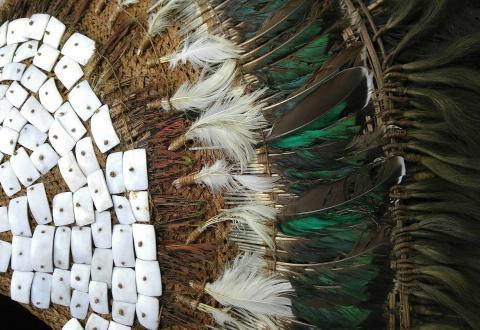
(32, 110)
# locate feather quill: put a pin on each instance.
(221, 316)
(231, 125)
(158, 21)
(205, 51)
(244, 286)
(205, 92)
(219, 177)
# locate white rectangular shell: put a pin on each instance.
(14, 120)
(5, 255)
(36, 114)
(59, 138)
(62, 209)
(80, 277)
(96, 322)
(83, 100)
(38, 203)
(16, 94)
(103, 131)
(13, 71)
(46, 57)
(148, 309)
(41, 251)
(99, 191)
(70, 121)
(6, 54)
(23, 167)
(49, 96)
(61, 247)
(33, 78)
(18, 217)
(83, 207)
(41, 290)
(21, 260)
(144, 241)
(140, 205)
(68, 72)
(81, 245)
(16, 31)
(123, 285)
(122, 246)
(98, 293)
(36, 26)
(44, 158)
(31, 137)
(8, 140)
(135, 169)
(123, 313)
(20, 286)
(54, 32)
(79, 47)
(86, 156)
(8, 180)
(102, 266)
(71, 172)
(25, 51)
(4, 224)
(114, 173)
(102, 230)
(3, 33)
(61, 287)
(5, 105)
(149, 279)
(79, 304)
(123, 210)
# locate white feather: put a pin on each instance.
(159, 20)
(256, 215)
(218, 177)
(231, 124)
(205, 51)
(205, 92)
(245, 286)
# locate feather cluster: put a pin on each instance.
(230, 124)
(159, 18)
(245, 286)
(205, 92)
(218, 177)
(204, 51)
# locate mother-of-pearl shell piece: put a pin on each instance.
(25, 51)
(72, 324)
(61, 247)
(81, 244)
(46, 57)
(144, 241)
(80, 277)
(41, 290)
(4, 224)
(96, 322)
(41, 251)
(140, 205)
(5, 255)
(68, 72)
(71, 172)
(16, 94)
(61, 290)
(8, 140)
(114, 173)
(135, 169)
(103, 131)
(148, 309)
(85, 155)
(31, 137)
(123, 285)
(36, 26)
(83, 100)
(49, 96)
(18, 217)
(62, 206)
(79, 304)
(21, 260)
(33, 78)
(20, 286)
(83, 207)
(102, 266)
(16, 31)
(59, 138)
(99, 191)
(44, 158)
(36, 114)
(122, 246)
(38, 203)
(8, 180)
(23, 167)
(102, 230)
(70, 121)
(98, 293)
(54, 32)
(79, 47)
(123, 210)
(123, 313)
(149, 279)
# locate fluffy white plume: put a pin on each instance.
(204, 51)
(205, 92)
(231, 124)
(244, 285)
(221, 316)
(160, 15)
(218, 177)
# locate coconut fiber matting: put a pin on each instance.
(126, 83)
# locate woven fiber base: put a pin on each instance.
(122, 80)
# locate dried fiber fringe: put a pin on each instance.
(436, 122)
